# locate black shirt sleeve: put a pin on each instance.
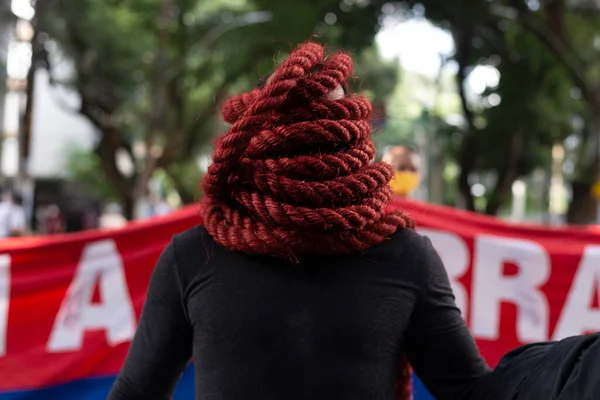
(438, 344)
(162, 345)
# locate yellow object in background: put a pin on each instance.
(596, 190)
(405, 182)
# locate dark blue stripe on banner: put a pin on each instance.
(98, 388)
(419, 390)
(93, 389)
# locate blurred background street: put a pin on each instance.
(111, 106)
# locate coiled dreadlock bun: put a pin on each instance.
(294, 173)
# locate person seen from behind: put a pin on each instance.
(298, 283)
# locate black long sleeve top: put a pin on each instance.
(260, 327)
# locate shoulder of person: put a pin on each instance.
(192, 245)
(190, 237)
(410, 240)
(415, 253)
(191, 250)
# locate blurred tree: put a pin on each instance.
(571, 32)
(542, 50)
(545, 52)
(147, 77)
(6, 22)
(377, 78)
(151, 73)
(516, 123)
(83, 166)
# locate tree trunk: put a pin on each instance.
(6, 25)
(555, 17)
(27, 117)
(158, 109)
(38, 59)
(466, 168)
(506, 176)
(583, 207)
(468, 153)
(436, 176)
(124, 188)
(128, 204)
(499, 193)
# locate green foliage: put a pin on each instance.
(536, 88)
(377, 78)
(535, 103)
(84, 167)
(185, 178)
(156, 71)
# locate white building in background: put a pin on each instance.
(56, 127)
(5, 35)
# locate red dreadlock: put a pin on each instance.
(293, 175)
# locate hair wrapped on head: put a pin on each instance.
(294, 173)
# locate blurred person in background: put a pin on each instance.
(91, 216)
(158, 206)
(407, 171)
(112, 217)
(299, 284)
(52, 221)
(12, 216)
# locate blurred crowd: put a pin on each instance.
(50, 219)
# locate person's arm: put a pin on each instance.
(162, 346)
(438, 344)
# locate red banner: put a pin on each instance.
(69, 305)
(516, 284)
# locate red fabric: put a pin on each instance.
(40, 269)
(570, 255)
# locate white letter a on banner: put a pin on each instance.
(100, 265)
(4, 299)
(578, 316)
